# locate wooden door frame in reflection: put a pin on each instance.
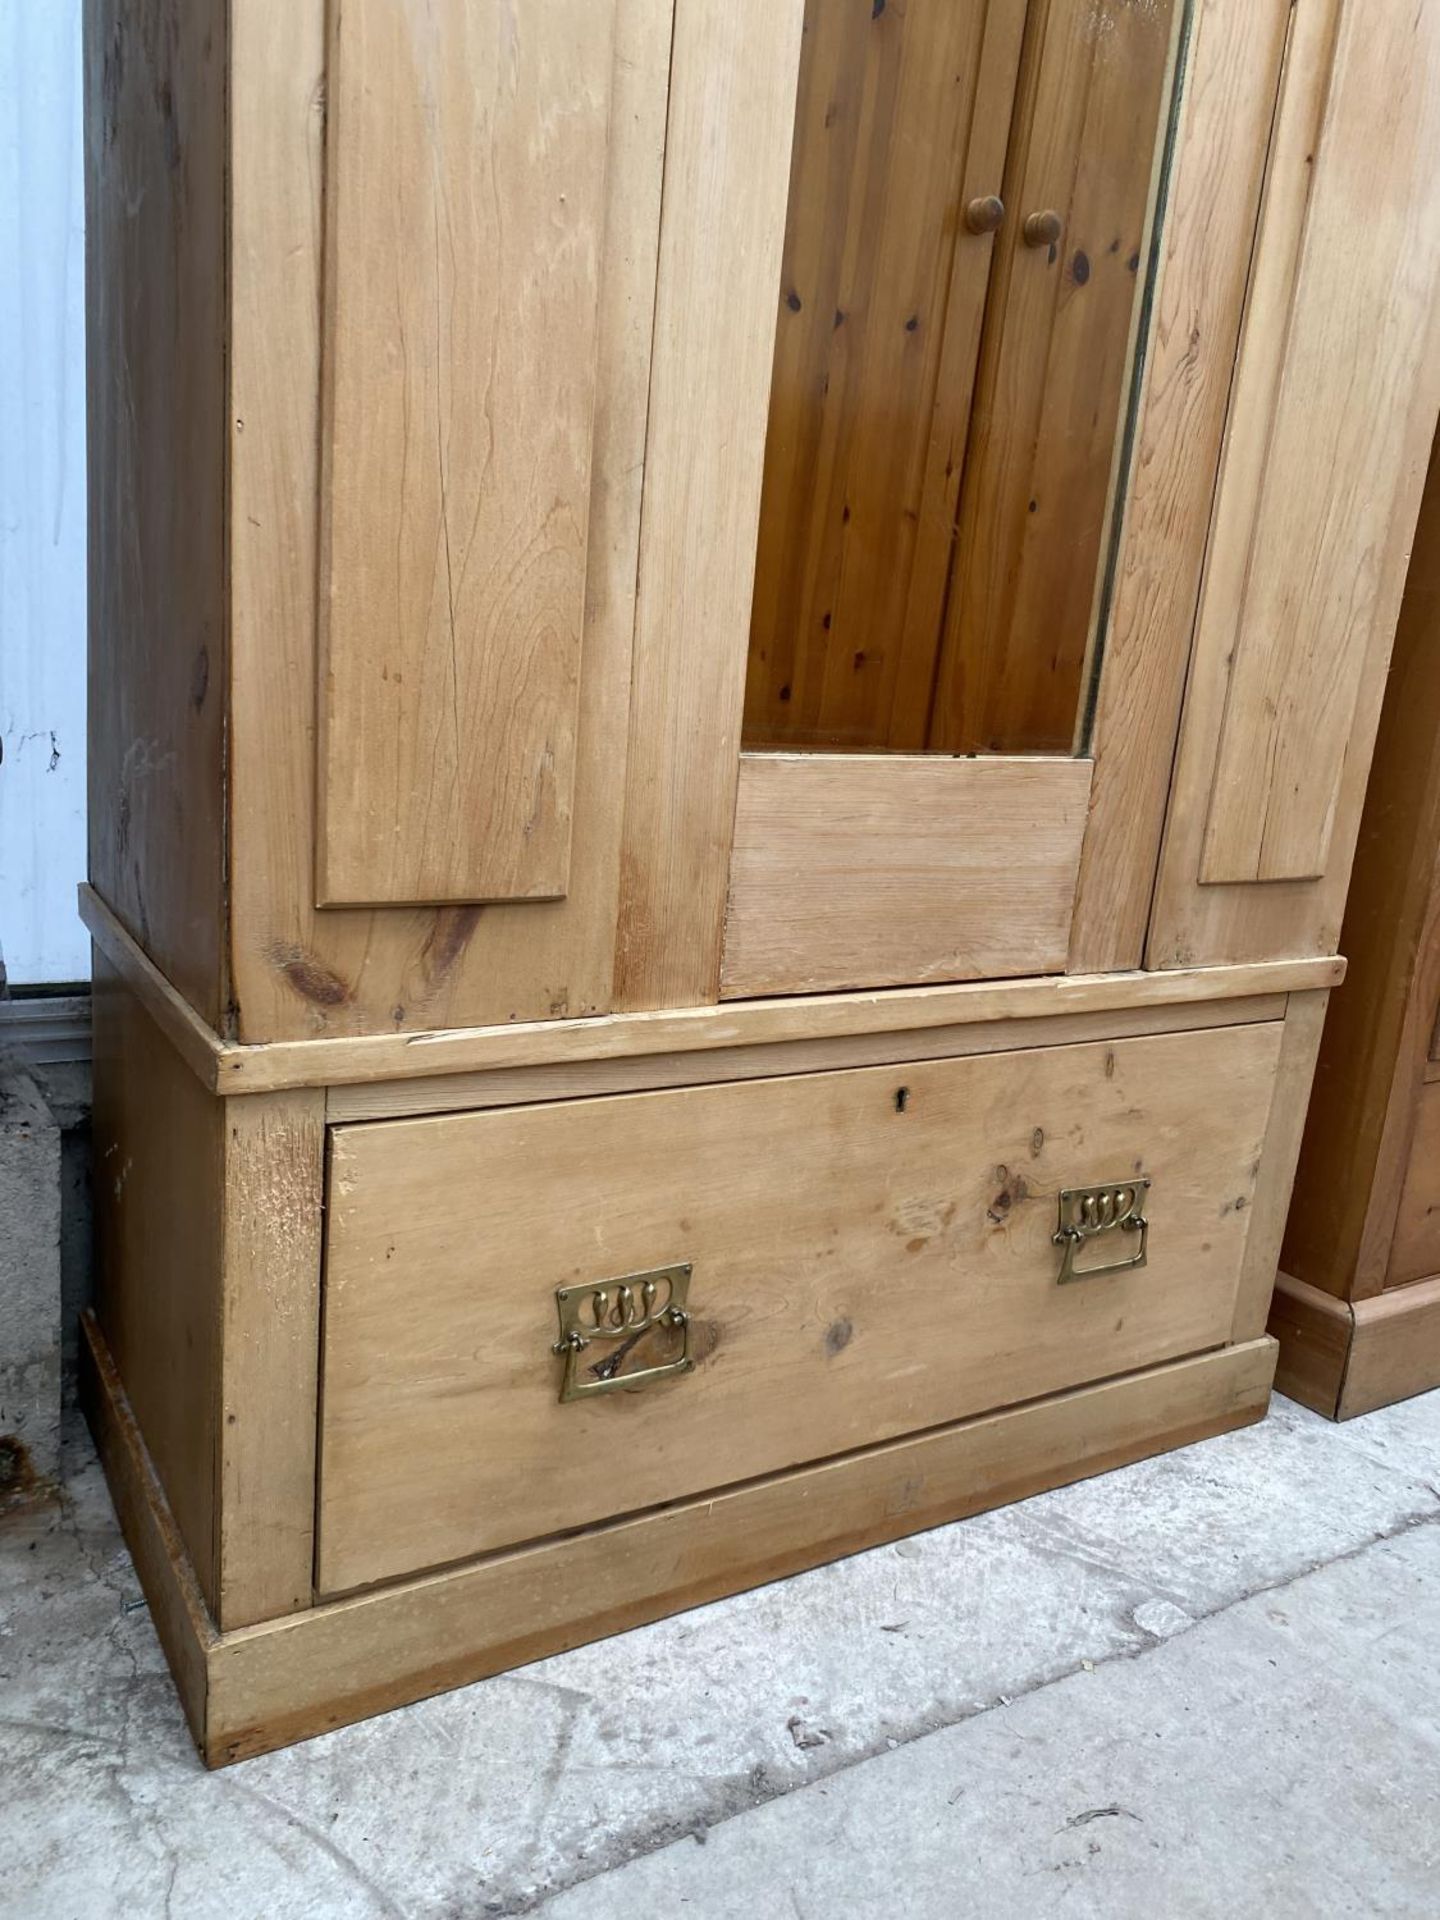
(709, 409)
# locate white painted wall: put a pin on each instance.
(42, 492)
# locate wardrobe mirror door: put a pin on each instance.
(973, 193)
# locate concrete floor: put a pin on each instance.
(1207, 1685)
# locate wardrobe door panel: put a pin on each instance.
(465, 206)
(1330, 429)
(1356, 345)
(299, 971)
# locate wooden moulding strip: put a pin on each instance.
(261, 1687)
(352, 1060)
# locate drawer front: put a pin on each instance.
(871, 1252)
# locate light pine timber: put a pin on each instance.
(155, 183)
(272, 1220)
(732, 111)
(1299, 1048)
(646, 1073)
(1332, 482)
(854, 870)
(159, 1155)
(260, 1687)
(1230, 81)
(872, 1255)
(464, 233)
(1325, 155)
(210, 1215)
(161, 1556)
(235, 1070)
(297, 972)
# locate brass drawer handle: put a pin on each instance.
(1089, 1213)
(621, 1312)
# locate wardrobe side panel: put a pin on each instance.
(158, 1179)
(1373, 1057)
(155, 134)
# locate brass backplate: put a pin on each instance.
(1095, 1213)
(615, 1315)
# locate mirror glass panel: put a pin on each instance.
(969, 245)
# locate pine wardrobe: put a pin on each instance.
(735, 645)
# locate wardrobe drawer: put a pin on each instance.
(870, 1252)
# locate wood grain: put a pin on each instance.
(299, 973)
(1347, 1358)
(1304, 1025)
(465, 212)
(1325, 159)
(259, 1687)
(902, 119)
(732, 108)
(1415, 1249)
(877, 870)
(836, 1227)
(152, 1539)
(276, 1683)
(1228, 106)
(197, 1044)
(158, 1147)
(155, 172)
(243, 1070)
(1051, 395)
(1373, 1062)
(1332, 480)
(523, 1086)
(272, 1222)
(1315, 1332)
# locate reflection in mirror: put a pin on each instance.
(969, 237)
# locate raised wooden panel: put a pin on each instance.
(799, 1202)
(465, 211)
(1334, 464)
(297, 972)
(1330, 429)
(732, 109)
(903, 119)
(878, 870)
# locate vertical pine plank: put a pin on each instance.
(465, 221)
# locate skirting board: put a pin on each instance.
(1343, 1358)
(264, 1686)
